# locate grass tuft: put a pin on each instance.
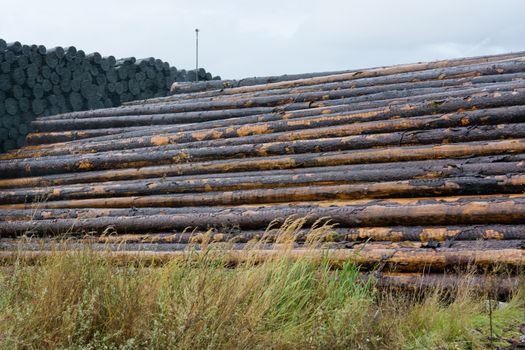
(80, 300)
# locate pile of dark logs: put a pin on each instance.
(417, 168)
(35, 81)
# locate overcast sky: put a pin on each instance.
(254, 38)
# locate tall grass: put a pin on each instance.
(81, 300)
(78, 300)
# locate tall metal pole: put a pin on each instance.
(196, 54)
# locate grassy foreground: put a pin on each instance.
(79, 300)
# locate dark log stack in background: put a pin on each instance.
(420, 167)
(35, 81)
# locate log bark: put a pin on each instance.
(298, 110)
(40, 138)
(225, 236)
(226, 94)
(511, 66)
(293, 102)
(171, 154)
(269, 179)
(489, 116)
(64, 136)
(393, 212)
(448, 236)
(423, 260)
(153, 119)
(84, 244)
(452, 104)
(394, 154)
(373, 72)
(393, 189)
(489, 165)
(218, 169)
(337, 105)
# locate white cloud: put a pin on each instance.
(245, 38)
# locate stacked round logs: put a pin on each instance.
(419, 167)
(35, 81)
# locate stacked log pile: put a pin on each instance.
(419, 167)
(35, 81)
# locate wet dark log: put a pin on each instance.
(448, 236)
(211, 236)
(513, 66)
(344, 104)
(38, 138)
(167, 155)
(476, 117)
(410, 188)
(419, 167)
(222, 168)
(158, 238)
(438, 260)
(149, 120)
(47, 245)
(269, 82)
(478, 101)
(15, 47)
(225, 84)
(431, 170)
(389, 95)
(296, 210)
(390, 109)
(86, 244)
(459, 245)
(40, 81)
(276, 100)
(394, 154)
(488, 165)
(422, 260)
(225, 94)
(79, 213)
(392, 212)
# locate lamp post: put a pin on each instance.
(196, 54)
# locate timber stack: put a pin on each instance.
(417, 167)
(39, 81)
